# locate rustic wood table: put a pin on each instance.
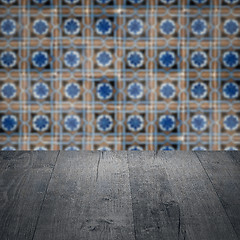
(119, 195)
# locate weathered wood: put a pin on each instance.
(235, 155)
(87, 195)
(224, 173)
(23, 159)
(201, 211)
(88, 198)
(23, 183)
(155, 210)
(15, 159)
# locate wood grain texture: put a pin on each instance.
(224, 173)
(24, 177)
(201, 212)
(235, 155)
(26, 159)
(119, 195)
(155, 210)
(88, 198)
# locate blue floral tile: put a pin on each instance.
(40, 123)
(199, 59)
(104, 123)
(9, 123)
(104, 58)
(167, 123)
(167, 59)
(231, 27)
(199, 122)
(72, 90)
(8, 59)
(231, 122)
(135, 123)
(72, 123)
(104, 91)
(120, 75)
(8, 27)
(135, 27)
(167, 90)
(135, 90)
(8, 90)
(40, 59)
(40, 27)
(167, 27)
(135, 59)
(199, 90)
(230, 90)
(40, 90)
(103, 26)
(71, 26)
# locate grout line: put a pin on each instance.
(45, 193)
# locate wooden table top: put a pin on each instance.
(119, 195)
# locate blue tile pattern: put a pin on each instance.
(119, 74)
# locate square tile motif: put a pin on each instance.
(120, 75)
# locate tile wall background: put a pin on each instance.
(119, 74)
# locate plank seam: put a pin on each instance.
(100, 156)
(45, 193)
(135, 234)
(216, 193)
(182, 232)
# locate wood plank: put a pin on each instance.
(23, 159)
(201, 211)
(14, 159)
(23, 184)
(155, 210)
(224, 173)
(235, 155)
(88, 198)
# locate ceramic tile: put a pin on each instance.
(120, 74)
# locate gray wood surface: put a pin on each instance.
(224, 173)
(156, 213)
(119, 195)
(24, 177)
(88, 198)
(235, 155)
(201, 212)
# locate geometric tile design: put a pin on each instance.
(120, 74)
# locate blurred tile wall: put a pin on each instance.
(119, 74)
